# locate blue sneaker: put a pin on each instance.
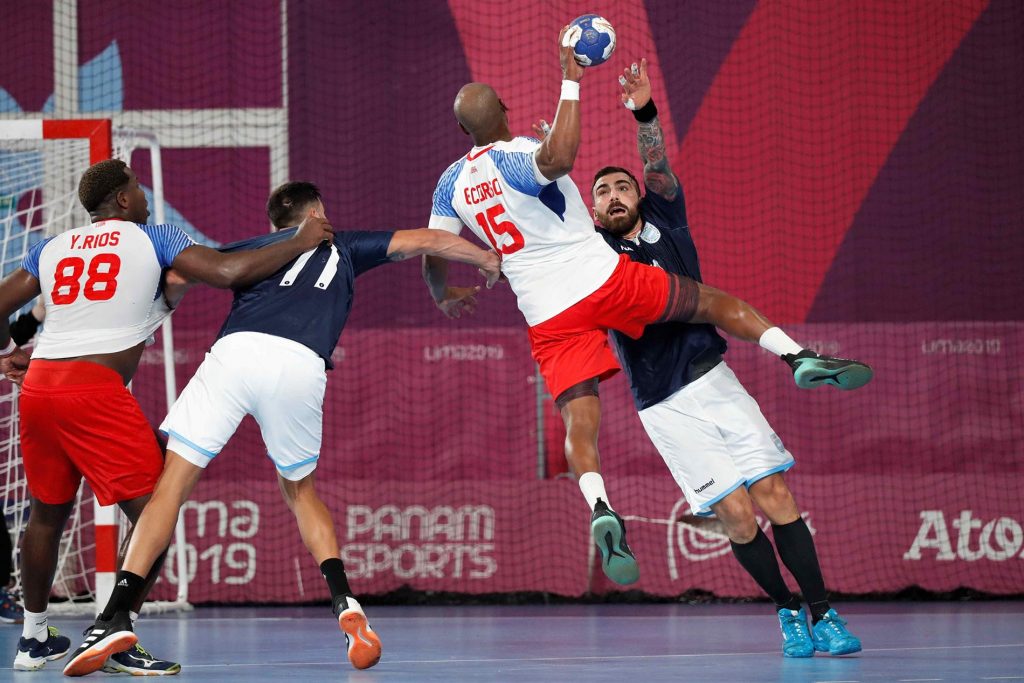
(10, 611)
(831, 636)
(33, 655)
(811, 370)
(796, 637)
(137, 661)
(609, 533)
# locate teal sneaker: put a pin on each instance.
(831, 636)
(796, 637)
(811, 370)
(609, 533)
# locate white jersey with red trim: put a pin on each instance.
(551, 254)
(100, 284)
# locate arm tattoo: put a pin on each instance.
(658, 175)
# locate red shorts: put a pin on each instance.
(573, 346)
(78, 419)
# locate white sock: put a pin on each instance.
(592, 486)
(134, 617)
(778, 342)
(35, 626)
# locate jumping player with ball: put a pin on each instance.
(516, 195)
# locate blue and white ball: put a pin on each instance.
(592, 39)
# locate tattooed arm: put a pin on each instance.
(650, 139)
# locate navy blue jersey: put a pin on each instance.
(670, 355)
(308, 300)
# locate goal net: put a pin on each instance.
(40, 164)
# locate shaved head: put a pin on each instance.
(481, 113)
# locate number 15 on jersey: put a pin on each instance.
(494, 229)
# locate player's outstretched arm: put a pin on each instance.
(243, 268)
(557, 152)
(444, 245)
(650, 139)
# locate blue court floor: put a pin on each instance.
(905, 642)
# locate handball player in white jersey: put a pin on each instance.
(515, 194)
(101, 286)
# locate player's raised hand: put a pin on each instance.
(636, 86)
(458, 300)
(313, 230)
(571, 70)
(541, 129)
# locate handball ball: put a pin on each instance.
(592, 39)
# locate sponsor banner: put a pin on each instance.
(872, 534)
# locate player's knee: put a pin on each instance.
(737, 516)
(774, 498)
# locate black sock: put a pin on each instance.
(758, 558)
(334, 572)
(796, 548)
(127, 590)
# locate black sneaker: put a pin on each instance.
(811, 370)
(137, 661)
(609, 533)
(102, 639)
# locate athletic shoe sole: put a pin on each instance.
(848, 650)
(93, 659)
(33, 664)
(853, 376)
(617, 565)
(363, 643)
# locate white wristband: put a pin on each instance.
(570, 90)
(11, 346)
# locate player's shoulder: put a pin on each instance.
(447, 180)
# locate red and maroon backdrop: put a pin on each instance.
(853, 169)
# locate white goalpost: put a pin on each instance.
(40, 163)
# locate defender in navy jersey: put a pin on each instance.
(709, 430)
(101, 289)
(269, 361)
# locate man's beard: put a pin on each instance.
(621, 224)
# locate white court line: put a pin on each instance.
(1002, 678)
(908, 680)
(601, 658)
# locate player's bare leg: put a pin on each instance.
(796, 548)
(581, 412)
(112, 632)
(691, 301)
(40, 643)
(136, 660)
(754, 551)
(317, 530)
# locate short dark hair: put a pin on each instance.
(101, 180)
(288, 203)
(607, 170)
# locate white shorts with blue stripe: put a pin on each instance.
(278, 381)
(714, 439)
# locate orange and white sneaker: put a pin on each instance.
(363, 643)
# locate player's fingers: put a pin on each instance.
(643, 68)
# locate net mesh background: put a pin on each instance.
(854, 172)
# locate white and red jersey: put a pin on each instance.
(551, 254)
(100, 283)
